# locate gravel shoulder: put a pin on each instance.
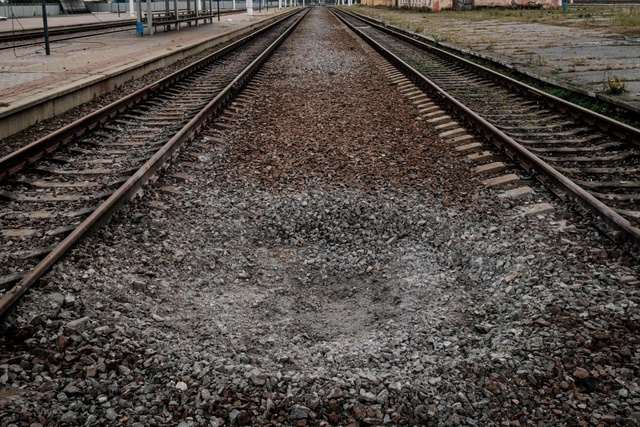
(329, 261)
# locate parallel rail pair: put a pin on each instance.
(114, 119)
(104, 151)
(551, 138)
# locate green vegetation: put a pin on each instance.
(629, 19)
(535, 61)
(437, 39)
(613, 85)
(415, 27)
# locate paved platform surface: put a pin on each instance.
(27, 74)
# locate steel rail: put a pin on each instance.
(15, 161)
(605, 123)
(129, 189)
(528, 159)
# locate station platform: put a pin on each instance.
(98, 64)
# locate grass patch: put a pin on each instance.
(613, 85)
(629, 18)
(533, 60)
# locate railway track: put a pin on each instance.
(585, 156)
(26, 38)
(65, 185)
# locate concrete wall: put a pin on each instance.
(27, 10)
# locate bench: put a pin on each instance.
(167, 19)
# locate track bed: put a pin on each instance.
(320, 256)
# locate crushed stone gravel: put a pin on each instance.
(329, 261)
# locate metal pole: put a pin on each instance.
(177, 15)
(167, 12)
(149, 18)
(46, 28)
(118, 9)
(139, 10)
(218, 10)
